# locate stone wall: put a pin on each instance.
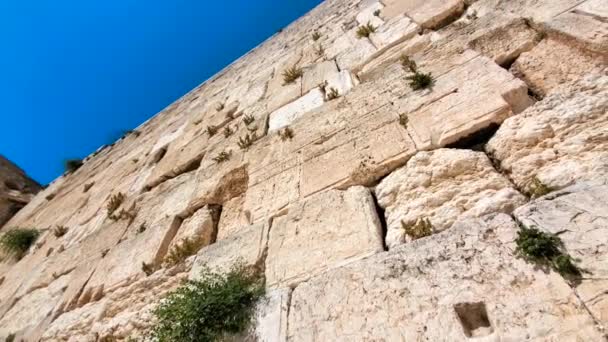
(322, 181)
(16, 189)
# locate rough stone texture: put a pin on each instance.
(579, 215)
(529, 75)
(560, 140)
(16, 189)
(411, 293)
(331, 229)
(443, 186)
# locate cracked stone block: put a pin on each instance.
(270, 318)
(553, 63)
(504, 44)
(233, 218)
(331, 229)
(587, 24)
(443, 186)
(579, 215)
(463, 101)
(278, 93)
(358, 52)
(560, 140)
(427, 13)
(286, 115)
(246, 248)
(200, 227)
(455, 285)
(318, 74)
(394, 31)
(367, 14)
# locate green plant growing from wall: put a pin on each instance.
(182, 251)
(332, 94)
(291, 75)
(408, 64)
(420, 80)
(16, 242)
(421, 228)
(286, 134)
(222, 157)
(246, 141)
(377, 13)
(114, 202)
(403, 120)
(227, 131)
(538, 189)
(211, 130)
(211, 308)
(72, 165)
(316, 36)
(60, 231)
(546, 249)
(365, 30)
(248, 119)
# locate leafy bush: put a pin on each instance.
(72, 165)
(547, 249)
(420, 80)
(18, 241)
(209, 309)
(365, 30)
(291, 75)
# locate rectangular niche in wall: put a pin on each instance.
(474, 319)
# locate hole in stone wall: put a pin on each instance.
(474, 319)
(476, 141)
(382, 218)
(12, 185)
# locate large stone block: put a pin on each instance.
(331, 229)
(560, 140)
(287, 114)
(443, 186)
(577, 214)
(428, 14)
(453, 286)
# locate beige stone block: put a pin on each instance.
(367, 14)
(358, 52)
(287, 114)
(459, 285)
(586, 24)
(233, 218)
(318, 74)
(553, 63)
(427, 13)
(332, 229)
(560, 140)
(443, 186)
(394, 31)
(577, 215)
(200, 227)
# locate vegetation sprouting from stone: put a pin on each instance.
(60, 231)
(10, 338)
(332, 94)
(182, 251)
(545, 249)
(211, 130)
(248, 119)
(408, 64)
(316, 36)
(420, 80)
(319, 50)
(213, 308)
(403, 119)
(421, 228)
(148, 269)
(72, 165)
(365, 30)
(227, 131)
(246, 141)
(114, 202)
(16, 242)
(220, 106)
(377, 13)
(291, 74)
(286, 134)
(123, 214)
(222, 157)
(538, 189)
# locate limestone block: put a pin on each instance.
(233, 218)
(427, 13)
(367, 14)
(341, 81)
(453, 286)
(560, 140)
(553, 63)
(463, 101)
(247, 248)
(279, 94)
(505, 43)
(201, 227)
(318, 74)
(331, 229)
(287, 114)
(443, 186)
(75, 325)
(578, 215)
(270, 322)
(587, 24)
(358, 52)
(394, 31)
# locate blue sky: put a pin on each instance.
(74, 74)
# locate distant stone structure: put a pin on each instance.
(16, 189)
(380, 202)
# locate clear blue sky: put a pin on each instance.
(75, 73)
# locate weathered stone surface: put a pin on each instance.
(284, 116)
(200, 227)
(452, 286)
(16, 189)
(560, 140)
(394, 31)
(553, 63)
(428, 14)
(351, 232)
(578, 214)
(443, 186)
(318, 74)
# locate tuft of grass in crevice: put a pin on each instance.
(403, 120)
(222, 157)
(248, 119)
(286, 134)
(220, 106)
(537, 188)
(60, 231)
(420, 80)
(212, 308)
(332, 94)
(16, 242)
(72, 165)
(421, 228)
(291, 75)
(228, 131)
(545, 249)
(114, 203)
(211, 130)
(246, 141)
(365, 30)
(316, 36)
(182, 251)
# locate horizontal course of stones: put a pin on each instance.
(520, 97)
